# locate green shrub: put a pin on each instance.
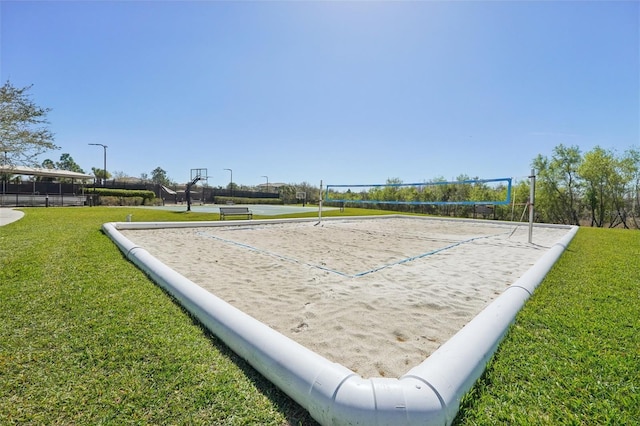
(122, 197)
(121, 201)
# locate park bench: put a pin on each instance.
(235, 211)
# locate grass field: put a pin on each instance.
(573, 356)
(86, 338)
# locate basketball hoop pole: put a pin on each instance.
(196, 175)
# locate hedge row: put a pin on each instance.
(107, 200)
(107, 192)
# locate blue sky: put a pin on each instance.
(344, 92)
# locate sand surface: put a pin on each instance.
(377, 296)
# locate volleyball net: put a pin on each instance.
(461, 192)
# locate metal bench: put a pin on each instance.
(235, 211)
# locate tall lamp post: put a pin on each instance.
(231, 182)
(104, 175)
(267, 178)
(4, 178)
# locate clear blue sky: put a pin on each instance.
(346, 92)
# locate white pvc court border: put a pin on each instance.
(428, 394)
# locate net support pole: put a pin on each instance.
(532, 195)
(513, 204)
(320, 204)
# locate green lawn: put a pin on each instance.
(86, 338)
(573, 356)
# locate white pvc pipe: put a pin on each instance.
(428, 394)
(457, 364)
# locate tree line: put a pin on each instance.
(598, 188)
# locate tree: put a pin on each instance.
(119, 175)
(559, 186)
(159, 176)
(600, 169)
(390, 192)
(100, 174)
(623, 181)
(67, 163)
(565, 162)
(288, 194)
(632, 161)
(313, 192)
(23, 126)
(48, 164)
(520, 192)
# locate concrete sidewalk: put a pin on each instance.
(8, 215)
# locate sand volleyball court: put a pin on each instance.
(375, 295)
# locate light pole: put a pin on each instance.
(231, 183)
(104, 176)
(267, 178)
(4, 178)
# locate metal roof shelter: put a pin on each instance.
(42, 172)
(42, 197)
